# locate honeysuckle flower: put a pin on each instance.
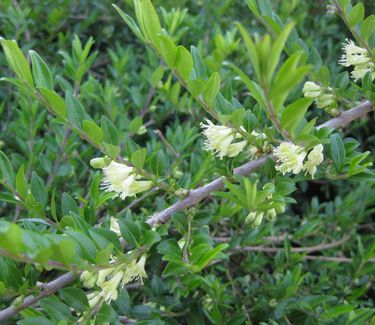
(88, 278)
(99, 162)
(134, 271)
(109, 288)
(271, 214)
(255, 218)
(325, 100)
(222, 140)
(289, 158)
(115, 227)
(311, 89)
(314, 159)
(251, 217)
(359, 58)
(323, 97)
(123, 180)
(258, 220)
(93, 298)
(360, 71)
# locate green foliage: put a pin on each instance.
(77, 84)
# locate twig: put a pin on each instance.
(167, 144)
(200, 193)
(148, 101)
(56, 164)
(49, 289)
(307, 249)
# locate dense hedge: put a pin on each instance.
(211, 167)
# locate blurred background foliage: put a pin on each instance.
(126, 83)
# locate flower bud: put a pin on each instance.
(251, 217)
(334, 112)
(258, 220)
(88, 279)
(99, 162)
(330, 10)
(280, 208)
(271, 214)
(311, 89)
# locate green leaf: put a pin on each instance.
(93, 131)
(68, 205)
(64, 251)
(41, 73)
(199, 65)
(211, 255)
(21, 182)
(276, 49)
(75, 110)
(252, 4)
(10, 237)
(6, 169)
(337, 151)
(130, 22)
(251, 49)
(138, 158)
(368, 27)
(110, 132)
(212, 88)
(56, 309)
(135, 124)
(196, 87)
(356, 14)
(87, 246)
(150, 22)
(168, 50)
(17, 60)
(293, 114)
(75, 298)
(38, 189)
(184, 63)
(170, 250)
(54, 101)
(131, 231)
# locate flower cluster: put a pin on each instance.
(359, 58)
(113, 277)
(323, 97)
(222, 140)
(290, 158)
(124, 180)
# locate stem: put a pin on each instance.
(356, 35)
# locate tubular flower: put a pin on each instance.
(357, 57)
(113, 277)
(289, 158)
(323, 97)
(314, 158)
(311, 89)
(123, 180)
(115, 227)
(221, 140)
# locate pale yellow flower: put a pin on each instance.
(311, 89)
(222, 140)
(314, 159)
(289, 158)
(359, 58)
(123, 180)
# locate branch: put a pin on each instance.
(200, 193)
(307, 249)
(48, 289)
(348, 116)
